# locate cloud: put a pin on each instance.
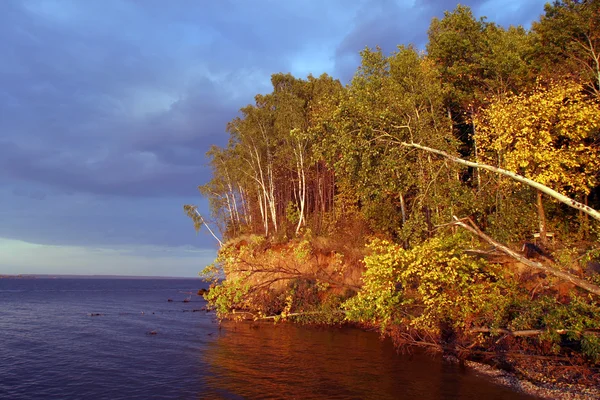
(389, 23)
(125, 98)
(88, 219)
(108, 107)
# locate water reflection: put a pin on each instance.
(266, 361)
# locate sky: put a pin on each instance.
(107, 108)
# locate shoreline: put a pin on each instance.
(531, 368)
(547, 390)
(544, 390)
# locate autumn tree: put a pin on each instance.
(476, 59)
(546, 135)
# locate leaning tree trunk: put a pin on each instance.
(536, 185)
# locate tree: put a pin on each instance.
(567, 41)
(475, 59)
(547, 136)
(506, 61)
(269, 169)
(457, 46)
(401, 193)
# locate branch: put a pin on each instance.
(581, 283)
(283, 316)
(298, 314)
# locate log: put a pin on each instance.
(525, 332)
(522, 333)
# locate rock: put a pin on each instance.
(592, 267)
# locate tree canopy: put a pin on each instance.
(351, 194)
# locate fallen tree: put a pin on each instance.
(194, 214)
(470, 226)
(581, 283)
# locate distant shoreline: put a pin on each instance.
(60, 276)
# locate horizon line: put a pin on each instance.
(93, 276)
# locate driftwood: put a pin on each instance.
(581, 283)
(522, 333)
(276, 317)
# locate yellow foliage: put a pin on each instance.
(546, 135)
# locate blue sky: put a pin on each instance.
(108, 106)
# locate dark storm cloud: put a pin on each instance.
(107, 107)
(389, 23)
(125, 98)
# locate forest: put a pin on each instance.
(445, 197)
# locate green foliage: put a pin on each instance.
(391, 99)
(303, 249)
(554, 318)
(590, 346)
(457, 45)
(292, 214)
(315, 156)
(428, 284)
(230, 295)
(567, 42)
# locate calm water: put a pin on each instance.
(53, 346)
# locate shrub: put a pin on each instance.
(428, 286)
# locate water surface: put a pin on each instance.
(54, 345)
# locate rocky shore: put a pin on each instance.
(543, 387)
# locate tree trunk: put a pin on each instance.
(476, 150)
(586, 220)
(536, 185)
(403, 209)
(542, 219)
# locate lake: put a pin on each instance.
(124, 339)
